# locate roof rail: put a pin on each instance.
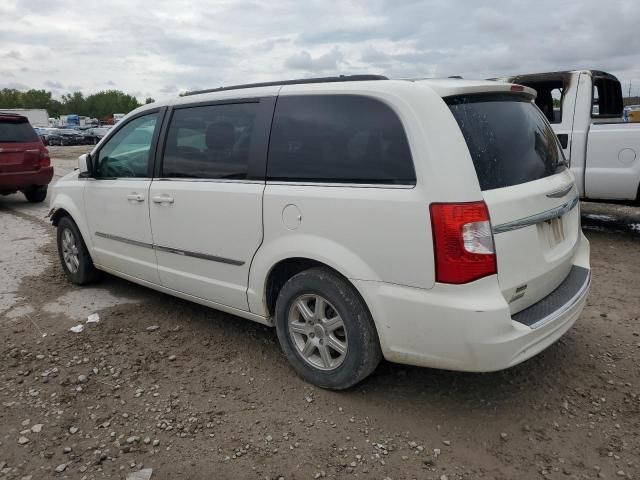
(341, 78)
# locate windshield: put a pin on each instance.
(509, 139)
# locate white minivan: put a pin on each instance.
(429, 222)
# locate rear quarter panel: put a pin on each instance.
(372, 233)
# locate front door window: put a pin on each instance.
(126, 154)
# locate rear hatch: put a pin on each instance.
(529, 192)
(20, 145)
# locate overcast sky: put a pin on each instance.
(159, 48)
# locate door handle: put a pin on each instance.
(135, 196)
(162, 199)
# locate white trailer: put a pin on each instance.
(38, 117)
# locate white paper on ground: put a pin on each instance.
(77, 328)
(144, 474)
(93, 318)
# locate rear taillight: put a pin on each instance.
(463, 242)
(45, 161)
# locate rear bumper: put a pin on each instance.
(13, 181)
(467, 327)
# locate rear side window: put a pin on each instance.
(212, 141)
(607, 98)
(17, 131)
(338, 138)
(508, 138)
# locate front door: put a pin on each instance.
(117, 199)
(206, 205)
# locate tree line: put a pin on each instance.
(99, 105)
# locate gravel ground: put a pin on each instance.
(197, 394)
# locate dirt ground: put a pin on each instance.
(193, 393)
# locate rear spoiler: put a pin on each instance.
(461, 88)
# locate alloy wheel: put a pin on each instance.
(70, 252)
(317, 332)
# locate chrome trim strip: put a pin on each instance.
(203, 256)
(567, 306)
(209, 180)
(341, 185)
(123, 240)
(560, 193)
(128, 179)
(160, 248)
(538, 218)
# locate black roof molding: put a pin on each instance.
(341, 78)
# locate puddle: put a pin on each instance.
(610, 223)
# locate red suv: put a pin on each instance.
(25, 165)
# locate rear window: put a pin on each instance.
(340, 139)
(16, 131)
(508, 138)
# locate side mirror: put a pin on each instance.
(84, 164)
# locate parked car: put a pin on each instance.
(69, 136)
(603, 150)
(93, 135)
(24, 160)
(434, 223)
(54, 137)
(49, 136)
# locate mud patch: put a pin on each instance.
(20, 255)
(78, 304)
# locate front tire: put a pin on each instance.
(74, 256)
(36, 195)
(325, 329)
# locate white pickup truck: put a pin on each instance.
(603, 149)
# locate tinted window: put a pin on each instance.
(212, 141)
(17, 131)
(550, 94)
(338, 138)
(607, 98)
(508, 138)
(126, 153)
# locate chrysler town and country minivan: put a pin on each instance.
(429, 222)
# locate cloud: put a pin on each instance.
(12, 55)
(15, 85)
(169, 89)
(163, 47)
(53, 85)
(304, 61)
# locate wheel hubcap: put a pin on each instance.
(317, 332)
(70, 251)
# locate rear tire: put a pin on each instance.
(326, 330)
(74, 256)
(36, 195)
